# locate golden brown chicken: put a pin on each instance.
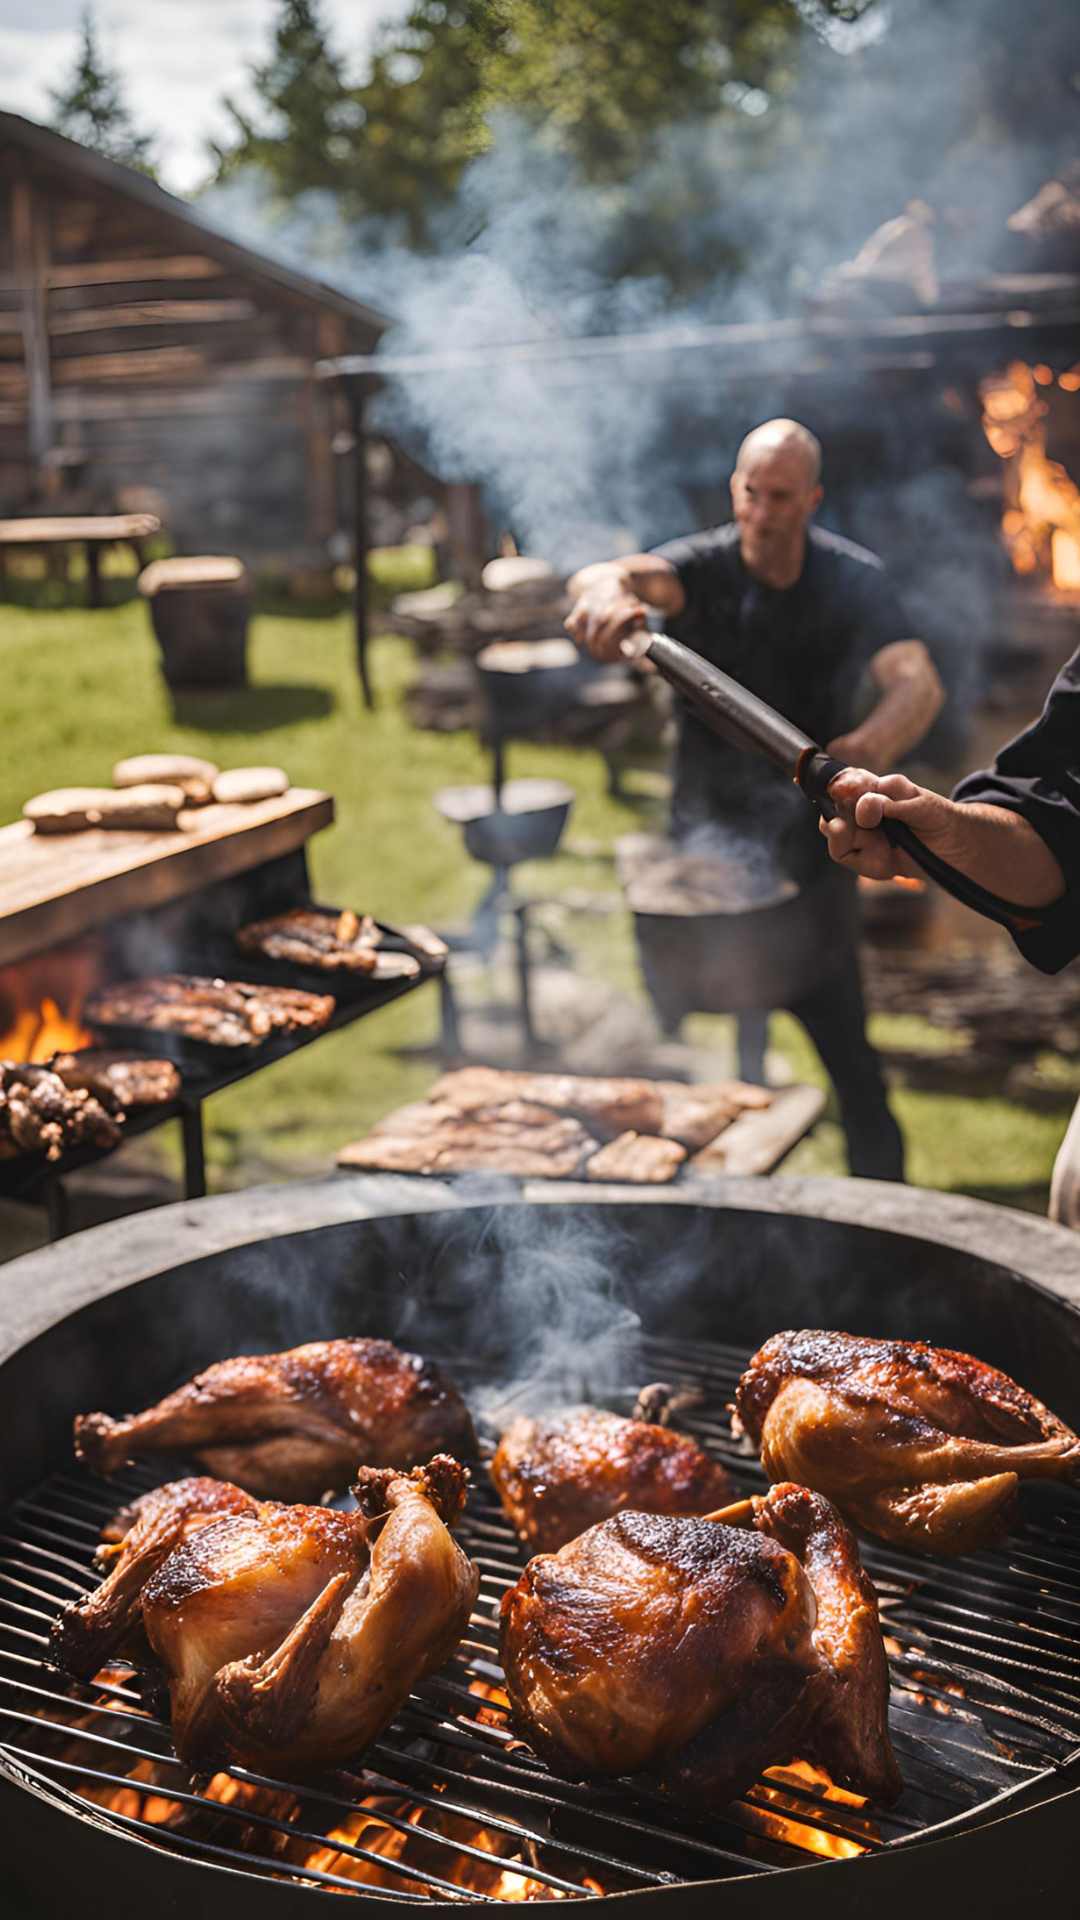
(291, 1634)
(694, 1653)
(561, 1474)
(920, 1445)
(136, 1543)
(290, 1425)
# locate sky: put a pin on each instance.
(176, 58)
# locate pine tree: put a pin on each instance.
(300, 131)
(91, 109)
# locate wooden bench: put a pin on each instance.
(90, 531)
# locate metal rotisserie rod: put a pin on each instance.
(739, 716)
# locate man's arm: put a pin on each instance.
(993, 845)
(911, 699)
(613, 598)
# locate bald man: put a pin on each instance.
(806, 620)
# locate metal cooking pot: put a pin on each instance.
(747, 954)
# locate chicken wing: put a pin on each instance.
(558, 1475)
(921, 1445)
(136, 1543)
(290, 1425)
(291, 1634)
(694, 1653)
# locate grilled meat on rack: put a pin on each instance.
(89, 1631)
(290, 1425)
(312, 937)
(560, 1474)
(118, 1079)
(221, 1013)
(432, 1137)
(39, 1114)
(643, 1158)
(920, 1445)
(694, 1653)
(606, 1107)
(292, 1634)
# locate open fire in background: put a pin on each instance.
(1041, 519)
(41, 1001)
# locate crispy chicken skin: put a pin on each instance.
(291, 1634)
(694, 1653)
(290, 1425)
(920, 1445)
(558, 1475)
(135, 1544)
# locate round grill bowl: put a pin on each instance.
(118, 1315)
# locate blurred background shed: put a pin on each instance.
(149, 361)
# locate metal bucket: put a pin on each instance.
(526, 824)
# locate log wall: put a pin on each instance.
(139, 367)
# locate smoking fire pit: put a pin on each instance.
(591, 1291)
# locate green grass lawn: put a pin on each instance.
(82, 689)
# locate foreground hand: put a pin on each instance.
(603, 617)
(865, 799)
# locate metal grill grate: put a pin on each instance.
(985, 1657)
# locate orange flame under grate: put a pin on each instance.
(41, 1002)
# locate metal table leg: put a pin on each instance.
(449, 1028)
(194, 1151)
(521, 918)
(93, 574)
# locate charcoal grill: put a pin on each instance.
(985, 1651)
(150, 903)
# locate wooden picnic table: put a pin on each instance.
(91, 531)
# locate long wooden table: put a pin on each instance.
(89, 531)
(56, 886)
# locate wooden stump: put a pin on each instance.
(199, 610)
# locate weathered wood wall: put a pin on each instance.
(137, 362)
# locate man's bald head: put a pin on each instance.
(783, 436)
(775, 492)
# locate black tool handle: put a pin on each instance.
(815, 776)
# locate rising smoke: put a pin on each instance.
(935, 99)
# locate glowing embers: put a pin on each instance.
(494, 1863)
(777, 1808)
(41, 1001)
(1041, 520)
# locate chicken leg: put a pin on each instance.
(88, 1631)
(290, 1425)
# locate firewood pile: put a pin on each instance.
(1001, 1018)
(1007, 1009)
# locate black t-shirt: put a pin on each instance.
(1038, 775)
(803, 648)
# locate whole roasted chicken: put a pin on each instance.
(558, 1475)
(289, 1634)
(694, 1653)
(290, 1425)
(917, 1444)
(88, 1632)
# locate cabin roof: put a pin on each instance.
(58, 155)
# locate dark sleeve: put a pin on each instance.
(701, 561)
(1038, 776)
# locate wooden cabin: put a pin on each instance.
(148, 360)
